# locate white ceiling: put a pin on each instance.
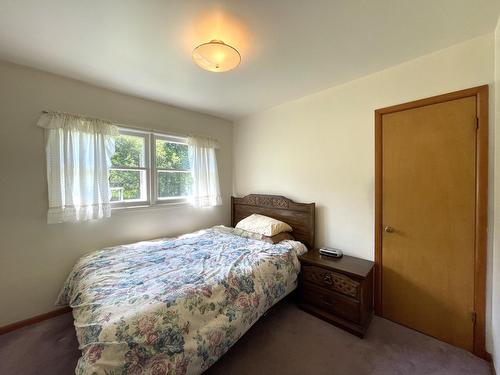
(289, 48)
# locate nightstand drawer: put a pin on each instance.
(331, 280)
(330, 302)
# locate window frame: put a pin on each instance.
(152, 198)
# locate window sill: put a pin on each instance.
(157, 206)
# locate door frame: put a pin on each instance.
(480, 242)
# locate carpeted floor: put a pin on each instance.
(285, 341)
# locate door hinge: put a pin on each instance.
(477, 123)
(473, 317)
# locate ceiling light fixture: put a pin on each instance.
(216, 56)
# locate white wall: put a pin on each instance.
(495, 303)
(35, 257)
(320, 148)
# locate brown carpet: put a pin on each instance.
(285, 341)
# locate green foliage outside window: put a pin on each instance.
(129, 151)
(173, 184)
(172, 156)
(125, 185)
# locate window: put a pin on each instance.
(173, 173)
(149, 168)
(128, 175)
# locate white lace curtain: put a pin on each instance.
(79, 151)
(205, 190)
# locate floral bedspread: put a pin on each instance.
(174, 306)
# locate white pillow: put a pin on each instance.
(263, 225)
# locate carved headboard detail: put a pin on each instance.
(300, 216)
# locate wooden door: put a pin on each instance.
(428, 218)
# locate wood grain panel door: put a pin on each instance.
(428, 219)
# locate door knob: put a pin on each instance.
(389, 229)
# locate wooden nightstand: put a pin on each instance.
(338, 290)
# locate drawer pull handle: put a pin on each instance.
(327, 278)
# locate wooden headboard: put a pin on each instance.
(300, 216)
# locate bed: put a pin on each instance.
(176, 305)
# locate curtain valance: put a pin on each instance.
(68, 121)
(205, 142)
